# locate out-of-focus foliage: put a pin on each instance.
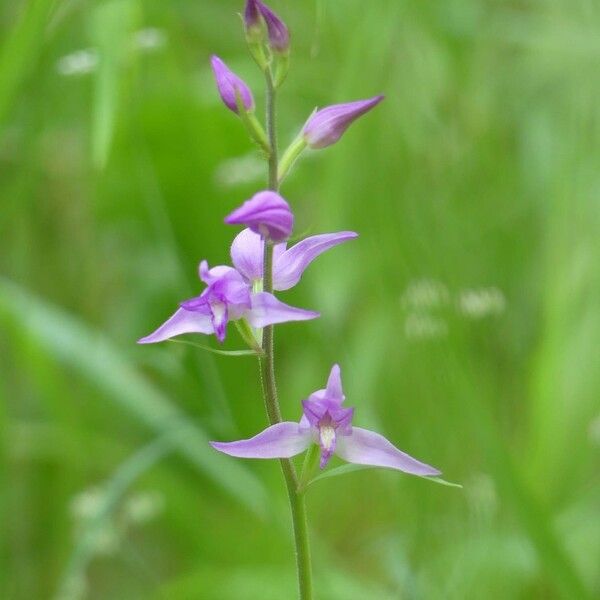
(466, 317)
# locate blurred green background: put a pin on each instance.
(466, 317)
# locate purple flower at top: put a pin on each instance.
(229, 85)
(266, 213)
(326, 126)
(227, 297)
(326, 422)
(288, 263)
(251, 15)
(279, 35)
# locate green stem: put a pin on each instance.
(267, 370)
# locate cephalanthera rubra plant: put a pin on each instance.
(262, 265)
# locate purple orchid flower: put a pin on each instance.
(329, 424)
(279, 35)
(326, 126)
(266, 213)
(230, 294)
(288, 263)
(230, 85)
(228, 297)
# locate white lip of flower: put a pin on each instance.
(218, 310)
(327, 434)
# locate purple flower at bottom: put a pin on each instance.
(329, 424)
(326, 126)
(266, 213)
(228, 297)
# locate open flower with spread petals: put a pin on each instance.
(326, 422)
(326, 126)
(228, 297)
(233, 293)
(288, 263)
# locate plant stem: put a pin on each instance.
(267, 370)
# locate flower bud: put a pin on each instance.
(231, 87)
(267, 214)
(279, 36)
(326, 126)
(252, 21)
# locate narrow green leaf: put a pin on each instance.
(112, 27)
(349, 468)
(215, 350)
(21, 50)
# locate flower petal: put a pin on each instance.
(183, 321)
(209, 276)
(326, 126)
(282, 440)
(267, 310)
(334, 384)
(266, 213)
(247, 254)
(364, 447)
(289, 266)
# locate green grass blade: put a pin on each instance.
(344, 469)
(21, 50)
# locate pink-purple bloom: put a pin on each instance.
(279, 35)
(230, 294)
(267, 214)
(227, 297)
(326, 126)
(326, 422)
(230, 86)
(288, 263)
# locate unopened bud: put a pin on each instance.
(231, 87)
(326, 126)
(267, 214)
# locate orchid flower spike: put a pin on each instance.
(326, 422)
(288, 263)
(326, 126)
(228, 297)
(279, 35)
(231, 86)
(266, 213)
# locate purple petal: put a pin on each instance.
(364, 447)
(282, 440)
(326, 126)
(247, 254)
(266, 213)
(334, 384)
(183, 321)
(228, 84)
(267, 310)
(279, 36)
(288, 268)
(209, 276)
(251, 15)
